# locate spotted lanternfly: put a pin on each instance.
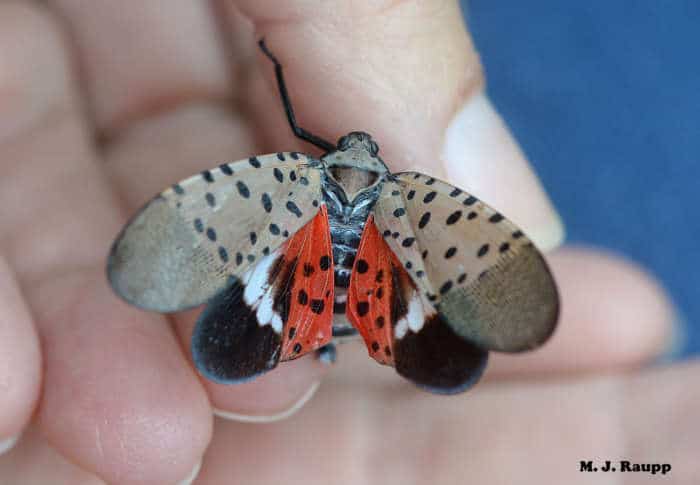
(291, 252)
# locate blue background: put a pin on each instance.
(605, 99)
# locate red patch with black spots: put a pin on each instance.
(309, 291)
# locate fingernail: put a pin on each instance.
(482, 157)
(270, 417)
(192, 476)
(678, 341)
(8, 444)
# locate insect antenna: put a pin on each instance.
(298, 131)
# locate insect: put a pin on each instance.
(291, 253)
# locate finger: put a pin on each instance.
(408, 74)
(614, 316)
(20, 360)
(119, 398)
(530, 434)
(33, 461)
(145, 58)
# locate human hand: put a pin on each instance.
(104, 104)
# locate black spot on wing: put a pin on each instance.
(292, 207)
(254, 162)
(437, 359)
(362, 308)
(279, 176)
(425, 218)
(317, 306)
(454, 217)
(228, 344)
(243, 189)
(266, 202)
(482, 251)
(198, 225)
(207, 176)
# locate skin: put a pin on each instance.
(102, 104)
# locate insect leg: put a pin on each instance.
(326, 354)
(298, 131)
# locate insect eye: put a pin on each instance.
(343, 143)
(373, 148)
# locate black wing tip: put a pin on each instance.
(223, 377)
(471, 379)
(438, 360)
(228, 345)
(216, 373)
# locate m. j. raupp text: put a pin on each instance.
(624, 466)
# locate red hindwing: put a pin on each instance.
(310, 287)
(372, 296)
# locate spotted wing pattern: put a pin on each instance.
(279, 309)
(479, 270)
(401, 327)
(182, 247)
